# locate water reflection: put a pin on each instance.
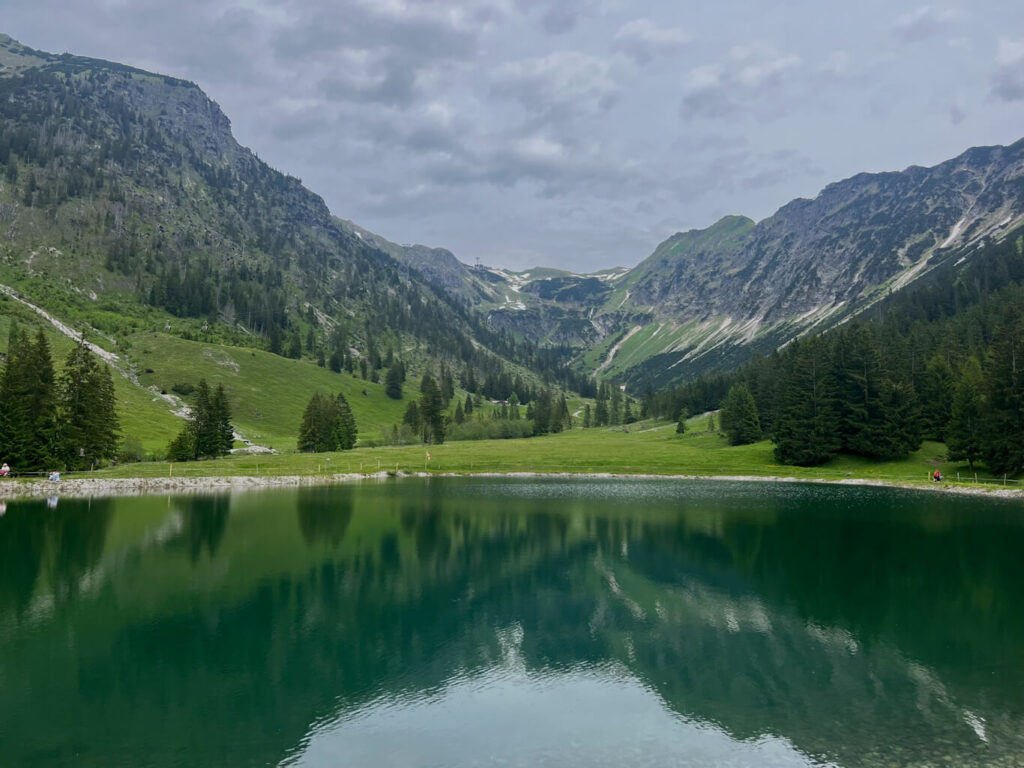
(533, 623)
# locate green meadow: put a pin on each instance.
(642, 448)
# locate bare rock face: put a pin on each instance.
(722, 292)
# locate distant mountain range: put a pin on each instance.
(121, 183)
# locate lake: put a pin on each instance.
(527, 622)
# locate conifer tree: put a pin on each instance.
(542, 413)
(318, 427)
(586, 416)
(805, 423)
(346, 432)
(615, 409)
(681, 421)
(29, 399)
(431, 411)
(207, 439)
(87, 411)
(936, 397)
(209, 434)
(739, 416)
(563, 412)
(412, 417)
(1003, 427)
(601, 406)
(220, 414)
(393, 382)
(863, 423)
(964, 433)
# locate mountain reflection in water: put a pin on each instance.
(535, 622)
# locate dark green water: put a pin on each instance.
(514, 623)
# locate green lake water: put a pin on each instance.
(490, 622)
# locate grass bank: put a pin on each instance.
(644, 448)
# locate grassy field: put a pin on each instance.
(646, 448)
(268, 393)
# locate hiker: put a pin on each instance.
(5, 471)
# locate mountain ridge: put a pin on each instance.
(197, 225)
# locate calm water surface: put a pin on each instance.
(514, 623)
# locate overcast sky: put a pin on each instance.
(570, 133)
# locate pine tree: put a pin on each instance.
(1003, 426)
(964, 433)
(806, 420)
(87, 414)
(936, 395)
(346, 432)
(586, 416)
(681, 421)
(542, 413)
(317, 431)
(431, 411)
(412, 417)
(460, 415)
(220, 414)
(393, 382)
(295, 345)
(615, 409)
(29, 398)
(207, 439)
(739, 416)
(860, 382)
(209, 434)
(601, 406)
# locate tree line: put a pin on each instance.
(209, 433)
(942, 361)
(52, 422)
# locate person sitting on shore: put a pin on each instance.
(5, 471)
(937, 476)
(54, 477)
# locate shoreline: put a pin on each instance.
(78, 488)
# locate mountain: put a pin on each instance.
(126, 203)
(706, 299)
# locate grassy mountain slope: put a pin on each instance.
(127, 207)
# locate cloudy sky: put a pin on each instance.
(571, 133)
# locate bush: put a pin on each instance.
(131, 450)
(491, 429)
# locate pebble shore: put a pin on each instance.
(11, 490)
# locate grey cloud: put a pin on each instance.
(923, 23)
(1008, 80)
(747, 80)
(560, 86)
(376, 52)
(558, 16)
(555, 169)
(643, 40)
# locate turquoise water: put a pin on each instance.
(514, 623)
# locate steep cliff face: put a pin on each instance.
(705, 299)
